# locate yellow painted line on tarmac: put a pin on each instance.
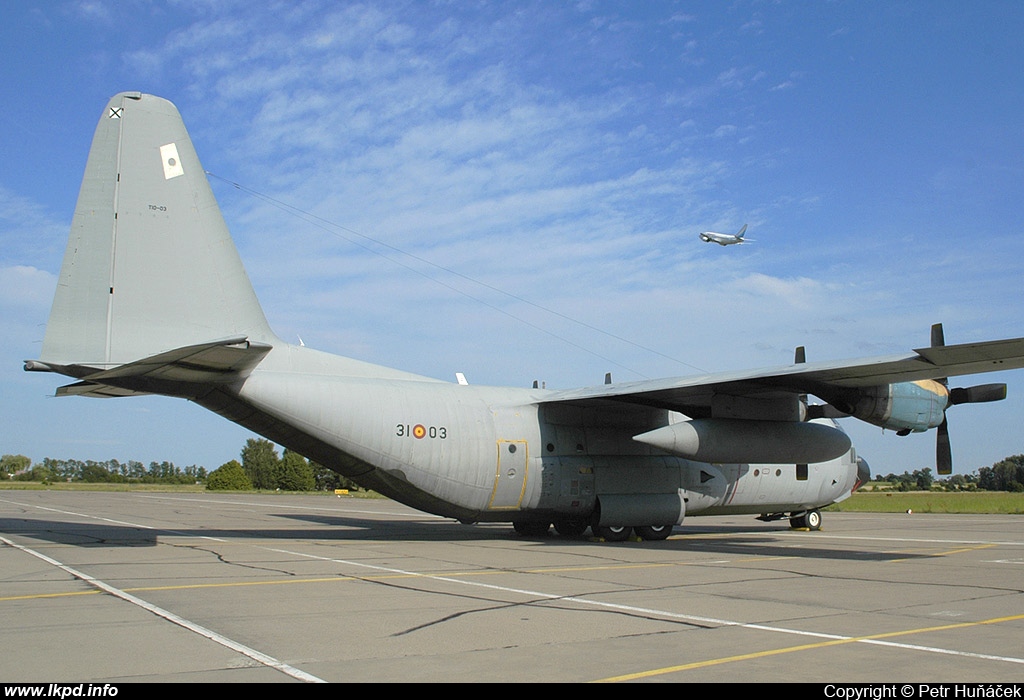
(552, 570)
(232, 584)
(381, 577)
(615, 567)
(802, 647)
(947, 553)
(716, 662)
(34, 596)
(964, 549)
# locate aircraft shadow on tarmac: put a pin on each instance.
(79, 534)
(725, 540)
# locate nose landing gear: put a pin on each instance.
(807, 520)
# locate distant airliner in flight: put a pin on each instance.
(724, 238)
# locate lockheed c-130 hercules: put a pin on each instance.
(153, 299)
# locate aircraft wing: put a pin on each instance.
(770, 393)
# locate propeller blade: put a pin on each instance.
(943, 452)
(982, 393)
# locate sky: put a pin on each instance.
(513, 190)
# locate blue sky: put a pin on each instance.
(513, 190)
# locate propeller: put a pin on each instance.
(982, 393)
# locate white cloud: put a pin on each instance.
(26, 286)
(725, 130)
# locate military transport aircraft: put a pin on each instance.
(153, 299)
(725, 238)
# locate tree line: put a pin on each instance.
(1006, 475)
(20, 468)
(260, 468)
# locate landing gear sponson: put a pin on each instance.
(609, 533)
(798, 520)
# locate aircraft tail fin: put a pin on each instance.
(150, 266)
(742, 232)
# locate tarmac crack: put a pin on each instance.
(224, 560)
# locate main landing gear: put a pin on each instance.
(609, 533)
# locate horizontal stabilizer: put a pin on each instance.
(216, 362)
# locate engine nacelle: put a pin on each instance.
(734, 441)
(907, 406)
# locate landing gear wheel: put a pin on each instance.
(570, 528)
(653, 532)
(813, 518)
(612, 533)
(531, 528)
(810, 520)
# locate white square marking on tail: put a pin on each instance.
(171, 161)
